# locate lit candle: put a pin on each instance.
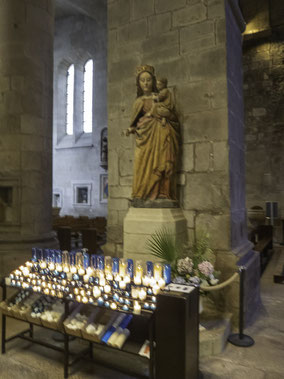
(158, 270)
(90, 271)
(49, 285)
(156, 289)
(146, 281)
(139, 269)
(59, 267)
(73, 269)
(85, 300)
(102, 281)
(26, 271)
(78, 298)
(142, 294)
(46, 291)
(43, 264)
(152, 282)
(64, 282)
(127, 279)
(86, 278)
(137, 308)
(66, 268)
(161, 283)
(107, 288)
(122, 284)
(108, 265)
(134, 292)
(96, 292)
(81, 271)
(109, 276)
(100, 301)
(113, 306)
(122, 267)
(137, 280)
(82, 292)
(52, 293)
(117, 278)
(51, 266)
(76, 291)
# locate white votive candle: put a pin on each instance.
(102, 281)
(26, 271)
(137, 280)
(81, 271)
(146, 281)
(89, 271)
(137, 308)
(113, 306)
(161, 283)
(156, 289)
(158, 268)
(85, 300)
(122, 284)
(86, 278)
(96, 292)
(152, 282)
(142, 294)
(51, 266)
(107, 288)
(134, 293)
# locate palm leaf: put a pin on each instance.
(163, 245)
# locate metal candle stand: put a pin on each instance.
(240, 339)
(28, 335)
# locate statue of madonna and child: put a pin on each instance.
(156, 128)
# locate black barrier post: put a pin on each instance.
(241, 339)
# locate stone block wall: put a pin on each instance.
(186, 42)
(264, 118)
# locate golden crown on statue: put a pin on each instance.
(143, 68)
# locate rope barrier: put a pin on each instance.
(221, 285)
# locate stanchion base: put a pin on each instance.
(241, 340)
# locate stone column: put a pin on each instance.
(197, 45)
(26, 73)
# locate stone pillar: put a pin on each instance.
(197, 45)
(26, 73)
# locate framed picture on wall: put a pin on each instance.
(103, 188)
(82, 194)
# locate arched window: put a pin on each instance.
(70, 100)
(88, 97)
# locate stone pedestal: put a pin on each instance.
(141, 223)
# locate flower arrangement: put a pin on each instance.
(189, 264)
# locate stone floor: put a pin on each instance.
(264, 360)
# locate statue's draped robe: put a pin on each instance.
(155, 153)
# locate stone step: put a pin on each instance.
(213, 335)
